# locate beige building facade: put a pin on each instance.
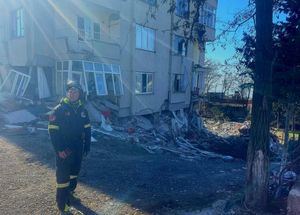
(115, 49)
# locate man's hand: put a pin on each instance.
(64, 154)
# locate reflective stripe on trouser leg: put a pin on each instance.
(63, 182)
(62, 194)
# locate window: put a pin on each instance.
(87, 30)
(145, 38)
(182, 8)
(144, 83)
(81, 30)
(96, 31)
(15, 83)
(95, 78)
(208, 16)
(61, 76)
(77, 66)
(179, 45)
(17, 23)
(179, 83)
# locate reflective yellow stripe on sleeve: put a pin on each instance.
(64, 185)
(87, 126)
(73, 176)
(53, 127)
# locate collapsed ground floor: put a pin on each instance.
(127, 92)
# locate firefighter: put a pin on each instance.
(70, 132)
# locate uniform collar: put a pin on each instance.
(68, 102)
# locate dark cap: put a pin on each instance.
(74, 84)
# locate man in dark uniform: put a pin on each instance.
(70, 132)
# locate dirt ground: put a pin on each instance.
(116, 178)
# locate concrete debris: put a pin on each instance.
(94, 113)
(227, 129)
(161, 138)
(29, 129)
(293, 202)
(144, 123)
(105, 124)
(20, 116)
(93, 140)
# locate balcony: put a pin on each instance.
(67, 46)
(207, 18)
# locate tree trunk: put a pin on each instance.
(258, 149)
(287, 126)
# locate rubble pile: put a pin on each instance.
(187, 136)
(227, 129)
(21, 115)
(171, 133)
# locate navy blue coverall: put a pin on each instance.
(70, 131)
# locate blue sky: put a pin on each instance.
(225, 13)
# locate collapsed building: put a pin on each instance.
(115, 49)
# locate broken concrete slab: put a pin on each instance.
(20, 116)
(144, 123)
(94, 114)
(293, 204)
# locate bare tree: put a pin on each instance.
(212, 76)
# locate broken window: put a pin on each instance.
(100, 83)
(95, 78)
(17, 18)
(179, 45)
(179, 83)
(144, 83)
(15, 83)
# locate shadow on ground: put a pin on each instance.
(149, 182)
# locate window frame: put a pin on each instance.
(144, 30)
(176, 49)
(114, 70)
(87, 31)
(181, 82)
(18, 23)
(179, 11)
(147, 82)
(208, 16)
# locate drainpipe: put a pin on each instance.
(131, 79)
(170, 62)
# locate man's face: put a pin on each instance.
(73, 94)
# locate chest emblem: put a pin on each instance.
(83, 114)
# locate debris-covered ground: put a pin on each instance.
(164, 164)
(117, 178)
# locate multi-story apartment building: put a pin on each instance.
(114, 48)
